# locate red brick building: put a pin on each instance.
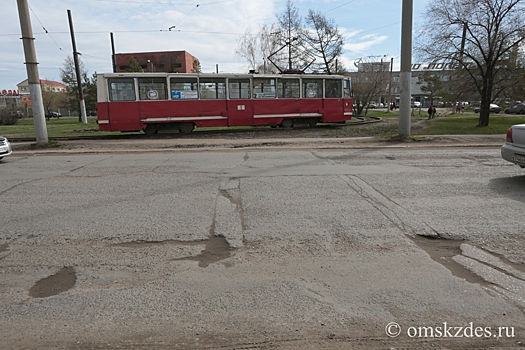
(162, 61)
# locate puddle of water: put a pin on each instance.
(442, 251)
(55, 284)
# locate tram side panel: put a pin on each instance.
(119, 116)
(273, 111)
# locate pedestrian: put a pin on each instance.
(430, 111)
(434, 113)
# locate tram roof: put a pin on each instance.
(218, 75)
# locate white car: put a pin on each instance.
(514, 149)
(5, 147)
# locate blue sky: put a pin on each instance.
(209, 31)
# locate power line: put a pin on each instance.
(335, 8)
(38, 19)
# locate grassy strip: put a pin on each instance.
(458, 124)
(468, 125)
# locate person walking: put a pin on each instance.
(430, 111)
(434, 112)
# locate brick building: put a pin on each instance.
(161, 61)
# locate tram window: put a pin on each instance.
(347, 91)
(239, 88)
(312, 88)
(264, 88)
(121, 90)
(152, 89)
(212, 88)
(184, 88)
(288, 88)
(333, 88)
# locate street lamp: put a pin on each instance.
(151, 65)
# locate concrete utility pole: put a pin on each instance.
(77, 70)
(33, 78)
(406, 69)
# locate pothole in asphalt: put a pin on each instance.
(216, 249)
(62, 281)
(442, 251)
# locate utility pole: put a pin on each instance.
(390, 85)
(83, 116)
(113, 56)
(33, 78)
(406, 69)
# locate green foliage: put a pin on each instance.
(8, 117)
(133, 66)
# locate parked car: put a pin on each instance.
(5, 147)
(372, 105)
(518, 108)
(416, 104)
(514, 149)
(493, 108)
(53, 115)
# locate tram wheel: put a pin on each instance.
(287, 123)
(312, 122)
(186, 127)
(150, 129)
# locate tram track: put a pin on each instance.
(200, 133)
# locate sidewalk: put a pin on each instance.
(172, 144)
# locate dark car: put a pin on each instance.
(493, 108)
(518, 108)
(53, 115)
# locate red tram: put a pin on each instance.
(179, 102)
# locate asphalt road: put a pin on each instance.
(311, 247)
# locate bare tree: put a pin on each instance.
(289, 35)
(324, 41)
(479, 36)
(366, 86)
(256, 47)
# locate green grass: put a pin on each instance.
(65, 126)
(448, 125)
(468, 125)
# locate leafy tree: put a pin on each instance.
(431, 84)
(324, 41)
(133, 66)
(479, 35)
(89, 86)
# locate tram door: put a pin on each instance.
(240, 105)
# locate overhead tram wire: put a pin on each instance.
(163, 3)
(45, 30)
